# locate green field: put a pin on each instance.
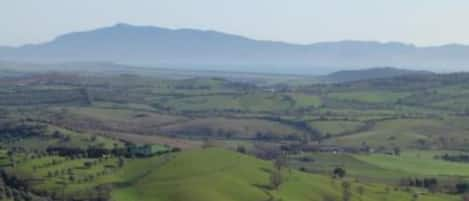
(336, 127)
(65, 138)
(304, 100)
(235, 128)
(239, 177)
(411, 133)
(55, 173)
(383, 167)
(324, 163)
(369, 96)
(413, 162)
(246, 102)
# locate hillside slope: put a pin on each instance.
(214, 174)
(371, 73)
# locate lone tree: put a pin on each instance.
(121, 162)
(276, 179)
(415, 197)
(280, 162)
(360, 191)
(339, 172)
(346, 192)
(276, 175)
(397, 151)
(241, 149)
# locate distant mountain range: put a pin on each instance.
(371, 73)
(211, 50)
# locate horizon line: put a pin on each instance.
(117, 24)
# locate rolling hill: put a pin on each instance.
(235, 177)
(371, 73)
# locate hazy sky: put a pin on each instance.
(423, 22)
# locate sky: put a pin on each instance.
(420, 22)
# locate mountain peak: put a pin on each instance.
(185, 48)
(122, 24)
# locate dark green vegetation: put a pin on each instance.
(143, 136)
(372, 73)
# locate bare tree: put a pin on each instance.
(276, 178)
(276, 174)
(346, 192)
(360, 191)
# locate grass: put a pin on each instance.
(190, 174)
(107, 120)
(325, 163)
(83, 140)
(336, 127)
(74, 139)
(234, 177)
(383, 168)
(255, 102)
(201, 103)
(266, 102)
(216, 174)
(239, 128)
(305, 101)
(417, 163)
(104, 171)
(122, 115)
(204, 106)
(369, 96)
(406, 132)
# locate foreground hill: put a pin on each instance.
(215, 174)
(215, 50)
(372, 73)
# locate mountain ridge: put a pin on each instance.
(157, 46)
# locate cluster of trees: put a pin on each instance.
(99, 194)
(90, 152)
(461, 188)
(94, 152)
(209, 132)
(70, 174)
(429, 183)
(10, 188)
(454, 158)
(51, 163)
(269, 136)
(263, 135)
(7, 193)
(15, 130)
(72, 177)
